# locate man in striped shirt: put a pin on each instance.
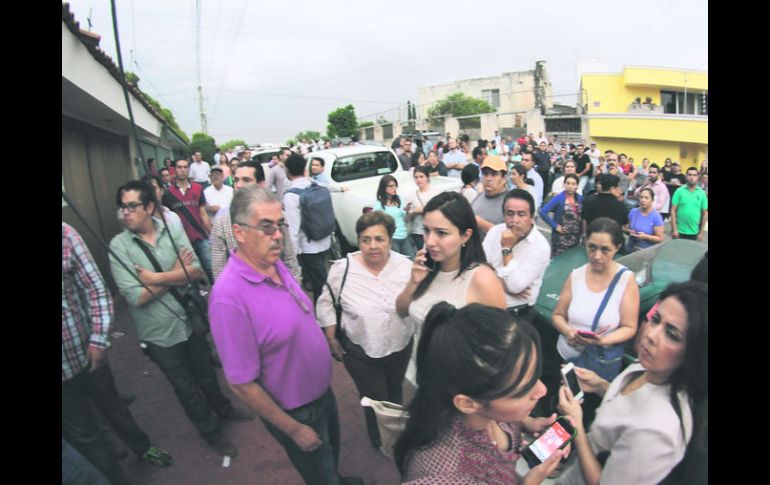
(86, 376)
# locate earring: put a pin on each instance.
(463, 244)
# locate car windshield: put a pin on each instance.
(363, 165)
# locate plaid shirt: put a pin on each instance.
(86, 305)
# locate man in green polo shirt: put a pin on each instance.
(161, 320)
(689, 209)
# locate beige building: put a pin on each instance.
(512, 94)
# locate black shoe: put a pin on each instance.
(351, 481)
(223, 445)
(127, 398)
(236, 415)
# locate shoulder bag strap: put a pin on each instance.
(337, 302)
(607, 298)
(187, 214)
(157, 267)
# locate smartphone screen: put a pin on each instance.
(550, 441)
(571, 378)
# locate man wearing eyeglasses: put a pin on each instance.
(274, 353)
(223, 242)
(161, 321)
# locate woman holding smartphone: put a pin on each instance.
(479, 376)
(389, 202)
(451, 267)
(645, 422)
(598, 306)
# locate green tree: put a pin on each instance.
(365, 124)
(205, 144)
(232, 144)
(342, 122)
(307, 135)
(458, 104)
(166, 113)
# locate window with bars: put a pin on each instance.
(562, 125)
(387, 131)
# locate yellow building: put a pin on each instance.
(649, 112)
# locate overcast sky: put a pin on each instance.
(272, 69)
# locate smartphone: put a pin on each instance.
(554, 438)
(429, 263)
(587, 334)
(570, 379)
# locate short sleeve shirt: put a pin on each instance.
(689, 208)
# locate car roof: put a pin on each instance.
(347, 150)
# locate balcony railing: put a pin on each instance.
(645, 108)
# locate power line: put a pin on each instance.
(646, 27)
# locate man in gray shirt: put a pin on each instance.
(405, 157)
(488, 207)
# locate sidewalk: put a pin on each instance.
(260, 461)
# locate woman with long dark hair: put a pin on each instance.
(478, 371)
(389, 202)
(566, 206)
(451, 267)
(646, 419)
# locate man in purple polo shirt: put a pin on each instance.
(274, 354)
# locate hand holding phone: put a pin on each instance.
(556, 437)
(588, 334)
(571, 380)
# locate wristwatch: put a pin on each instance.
(507, 251)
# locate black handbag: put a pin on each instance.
(193, 302)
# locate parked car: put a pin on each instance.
(264, 154)
(655, 267)
(359, 169)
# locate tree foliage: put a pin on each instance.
(365, 124)
(307, 135)
(458, 104)
(166, 113)
(342, 122)
(205, 144)
(232, 144)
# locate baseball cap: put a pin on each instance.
(495, 163)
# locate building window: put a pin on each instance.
(491, 96)
(387, 131)
(694, 103)
(562, 125)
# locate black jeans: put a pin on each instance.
(188, 367)
(378, 379)
(318, 467)
(79, 425)
(314, 270)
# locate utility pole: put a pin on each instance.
(204, 124)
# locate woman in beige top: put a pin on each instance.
(452, 266)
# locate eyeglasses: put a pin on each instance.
(130, 207)
(267, 228)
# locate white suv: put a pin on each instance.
(359, 168)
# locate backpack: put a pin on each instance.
(315, 204)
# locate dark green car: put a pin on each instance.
(655, 267)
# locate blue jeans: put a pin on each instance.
(318, 467)
(203, 251)
(77, 470)
(404, 246)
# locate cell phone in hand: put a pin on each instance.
(588, 334)
(429, 263)
(556, 437)
(570, 380)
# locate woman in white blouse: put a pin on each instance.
(373, 342)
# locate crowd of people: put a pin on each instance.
(440, 293)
